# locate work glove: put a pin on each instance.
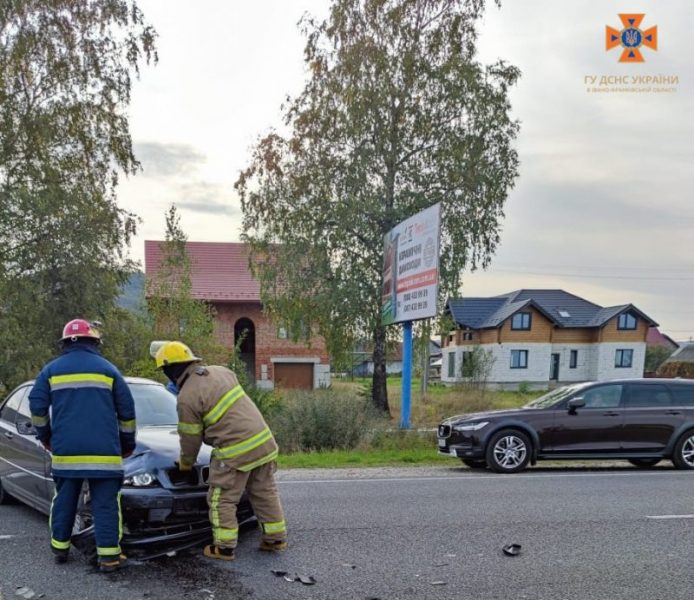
(183, 467)
(47, 444)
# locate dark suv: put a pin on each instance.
(641, 420)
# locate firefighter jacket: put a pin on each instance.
(212, 407)
(91, 422)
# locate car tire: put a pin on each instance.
(475, 463)
(683, 456)
(508, 451)
(644, 463)
(5, 498)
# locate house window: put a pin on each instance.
(573, 359)
(626, 321)
(519, 359)
(467, 364)
(623, 359)
(282, 333)
(467, 336)
(521, 321)
(451, 364)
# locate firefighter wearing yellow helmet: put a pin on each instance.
(213, 408)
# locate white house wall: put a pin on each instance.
(606, 358)
(594, 362)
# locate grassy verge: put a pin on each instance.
(363, 458)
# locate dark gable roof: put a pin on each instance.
(683, 354)
(485, 313)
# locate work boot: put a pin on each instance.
(273, 545)
(60, 556)
(108, 564)
(212, 551)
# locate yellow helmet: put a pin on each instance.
(172, 353)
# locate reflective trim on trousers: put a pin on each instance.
(276, 527)
(214, 505)
(224, 404)
(261, 461)
(60, 545)
(108, 551)
(222, 534)
(243, 447)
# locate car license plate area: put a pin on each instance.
(442, 443)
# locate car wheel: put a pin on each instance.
(5, 498)
(508, 451)
(683, 457)
(86, 544)
(475, 463)
(644, 463)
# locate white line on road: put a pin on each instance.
(480, 477)
(670, 516)
(6, 537)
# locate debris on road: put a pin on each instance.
(25, 592)
(512, 549)
(349, 566)
(305, 579)
(438, 583)
(441, 564)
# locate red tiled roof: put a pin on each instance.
(656, 337)
(219, 270)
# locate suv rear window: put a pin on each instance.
(648, 395)
(683, 394)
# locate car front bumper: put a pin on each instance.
(158, 521)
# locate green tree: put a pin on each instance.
(66, 69)
(656, 356)
(397, 114)
(174, 312)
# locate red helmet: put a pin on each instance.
(79, 328)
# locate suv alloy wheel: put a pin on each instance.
(508, 451)
(683, 456)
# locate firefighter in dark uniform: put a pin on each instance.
(212, 407)
(89, 430)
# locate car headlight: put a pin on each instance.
(144, 479)
(470, 426)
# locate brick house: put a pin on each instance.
(544, 337)
(220, 276)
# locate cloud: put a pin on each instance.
(207, 198)
(166, 160)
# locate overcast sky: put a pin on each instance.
(603, 207)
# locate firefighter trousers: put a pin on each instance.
(105, 503)
(226, 487)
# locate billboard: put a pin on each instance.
(411, 268)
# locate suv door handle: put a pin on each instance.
(673, 412)
(611, 414)
(9, 435)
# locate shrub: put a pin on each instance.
(677, 369)
(322, 420)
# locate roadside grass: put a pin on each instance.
(379, 449)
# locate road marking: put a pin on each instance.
(6, 537)
(670, 516)
(506, 477)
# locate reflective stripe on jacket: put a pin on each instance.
(212, 407)
(92, 419)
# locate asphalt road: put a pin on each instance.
(419, 533)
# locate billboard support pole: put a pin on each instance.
(406, 375)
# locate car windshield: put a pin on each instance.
(154, 404)
(554, 396)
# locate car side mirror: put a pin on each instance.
(575, 403)
(25, 428)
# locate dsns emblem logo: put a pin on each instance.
(631, 38)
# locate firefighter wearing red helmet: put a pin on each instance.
(89, 430)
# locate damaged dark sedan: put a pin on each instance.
(163, 510)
